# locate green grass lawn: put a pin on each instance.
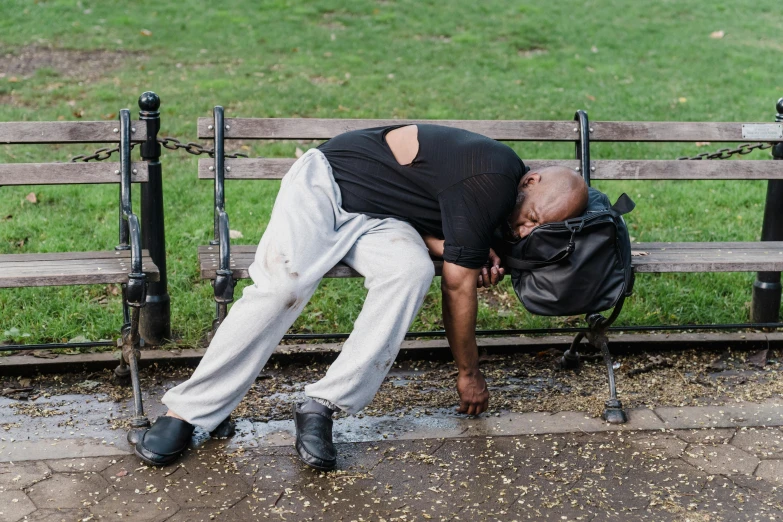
(494, 59)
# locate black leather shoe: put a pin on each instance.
(314, 445)
(164, 442)
(225, 429)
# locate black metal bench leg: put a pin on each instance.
(571, 359)
(613, 408)
(122, 372)
(224, 284)
(131, 354)
(221, 310)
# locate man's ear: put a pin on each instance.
(531, 178)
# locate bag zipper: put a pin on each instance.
(560, 225)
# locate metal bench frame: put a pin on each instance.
(225, 270)
(141, 270)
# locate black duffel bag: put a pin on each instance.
(578, 266)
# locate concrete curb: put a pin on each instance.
(29, 364)
(442, 425)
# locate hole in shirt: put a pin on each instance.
(404, 143)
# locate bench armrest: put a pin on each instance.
(224, 238)
(136, 289)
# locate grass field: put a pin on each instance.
(623, 60)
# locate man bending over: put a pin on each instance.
(382, 201)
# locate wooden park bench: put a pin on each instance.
(126, 264)
(224, 264)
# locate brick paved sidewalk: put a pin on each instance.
(686, 475)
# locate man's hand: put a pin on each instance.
(473, 393)
(493, 273)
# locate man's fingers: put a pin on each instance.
(486, 278)
(462, 408)
(493, 257)
(495, 276)
(472, 409)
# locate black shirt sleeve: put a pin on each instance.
(471, 210)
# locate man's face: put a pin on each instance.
(538, 207)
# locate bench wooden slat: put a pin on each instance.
(713, 245)
(67, 173)
(58, 269)
(321, 128)
(70, 264)
(64, 256)
(505, 130)
(659, 258)
(663, 131)
(708, 257)
(685, 170)
(242, 256)
(68, 131)
(276, 168)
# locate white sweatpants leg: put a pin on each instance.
(307, 235)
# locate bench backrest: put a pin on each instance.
(124, 132)
(513, 130)
(49, 132)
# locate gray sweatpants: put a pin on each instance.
(307, 235)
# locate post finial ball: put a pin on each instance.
(779, 106)
(149, 101)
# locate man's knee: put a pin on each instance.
(290, 292)
(414, 272)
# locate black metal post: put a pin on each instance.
(765, 306)
(582, 146)
(155, 326)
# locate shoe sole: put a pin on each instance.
(168, 460)
(301, 452)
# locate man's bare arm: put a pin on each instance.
(460, 303)
(434, 245)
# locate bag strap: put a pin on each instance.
(623, 205)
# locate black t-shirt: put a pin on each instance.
(459, 187)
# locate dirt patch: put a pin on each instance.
(518, 383)
(86, 65)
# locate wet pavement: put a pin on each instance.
(697, 475)
(409, 457)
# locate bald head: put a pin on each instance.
(563, 189)
(547, 195)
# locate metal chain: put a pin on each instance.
(193, 148)
(198, 149)
(745, 148)
(168, 143)
(99, 155)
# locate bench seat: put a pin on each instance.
(71, 268)
(647, 257)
